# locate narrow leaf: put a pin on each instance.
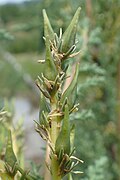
(72, 136)
(48, 31)
(70, 176)
(63, 140)
(50, 68)
(69, 92)
(10, 158)
(70, 33)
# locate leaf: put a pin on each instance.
(69, 92)
(70, 176)
(10, 158)
(48, 31)
(63, 140)
(44, 120)
(44, 91)
(44, 106)
(70, 33)
(50, 68)
(72, 136)
(77, 172)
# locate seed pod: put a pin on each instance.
(70, 33)
(48, 31)
(70, 90)
(63, 140)
(10, 158)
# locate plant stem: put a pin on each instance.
(55, 168)
(54, 135)
(47, 160)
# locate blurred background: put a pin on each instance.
(97, 137)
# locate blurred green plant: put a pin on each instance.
(10, 166)
(99, 170)
(4, 35)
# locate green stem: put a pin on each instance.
(47, 174)
(54, 135)
(54, 131)
(55, 168)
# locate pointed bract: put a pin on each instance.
(44, 106)
(70, 90)
(70, 33)
(63, 140)
(72, 136)
(50, 69)
(10, 158)
(48, 31)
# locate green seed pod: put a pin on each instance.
(63, 140)
(48, 31)
(70, 90)
(70, 33)
(10, 158)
